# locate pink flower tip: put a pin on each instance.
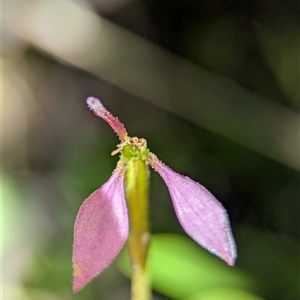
(95, 105)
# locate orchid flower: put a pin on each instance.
(118, 211)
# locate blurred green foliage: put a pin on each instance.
(179, 268)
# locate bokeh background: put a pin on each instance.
(213, 85)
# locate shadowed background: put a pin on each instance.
(214, 88)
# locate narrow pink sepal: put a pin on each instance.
(200, 214)
(100, 231)
(100, 111)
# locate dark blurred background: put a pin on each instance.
(212, 85)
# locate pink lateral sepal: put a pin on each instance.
(200, 214)
(101, 229)
(100, 111)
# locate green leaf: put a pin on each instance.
(179, 268)
(224, 293)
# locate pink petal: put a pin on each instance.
(200, 214)
(101, 229)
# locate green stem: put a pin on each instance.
(136, 188)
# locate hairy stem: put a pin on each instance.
(136, 187)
